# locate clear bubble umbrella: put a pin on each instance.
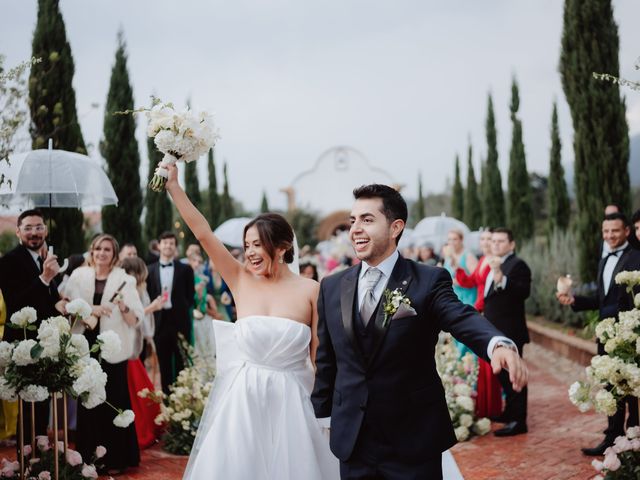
(231, 232)
(54, 178)
(435, 230)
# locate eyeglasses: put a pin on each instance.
(37, 228)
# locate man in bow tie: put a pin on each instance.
(376, 380)
(175, 282)
(609, 300)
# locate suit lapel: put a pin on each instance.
(28, 259)
(348, 287)
(400, 279)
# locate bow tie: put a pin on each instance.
(614, 253)
(166, 265)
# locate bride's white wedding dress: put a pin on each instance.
(259, 423)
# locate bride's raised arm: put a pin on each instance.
(228, 266)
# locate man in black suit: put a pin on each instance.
(27, 280)
(507, 287)
(609, 300)
(175, 282)
(376, 376)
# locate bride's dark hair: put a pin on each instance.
(274, 232)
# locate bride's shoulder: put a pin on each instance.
(307, 284)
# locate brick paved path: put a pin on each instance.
(551, 449)
(557, 430)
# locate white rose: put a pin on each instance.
(79, 308)
(466, 420)
(465, 402)
(482, 426)
(110, 345)
(22, 353)
(124, 419)
(462, 433)
(24, 317)
(34, 393)
(6, 349)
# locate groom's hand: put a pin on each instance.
(507, 359)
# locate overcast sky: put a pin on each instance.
(405, 82)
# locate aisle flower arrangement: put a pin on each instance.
(622, 460)
(182, 409)
(57, 361)
(459, 375)
(616, 374)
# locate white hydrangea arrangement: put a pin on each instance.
(57, 361)
(458, 376)
(616, 374)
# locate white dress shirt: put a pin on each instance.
(610, 266)
(166, 282)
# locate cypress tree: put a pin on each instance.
(52, 105)
(601, 138)
(472, 205)
(419, 205)
(226, 202)
(264, 205)
(213, 198)
(457, 194)
(159, 213)
(119, 148)
(192, 189)
(519, 206)
(492, 194)
(559, 206)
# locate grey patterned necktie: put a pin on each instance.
(369, 281)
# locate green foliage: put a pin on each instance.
(52, 103)
(304, 225)
(213, 199)
(473, 205)
(227, 210)
(159, 211)
(559, 205)
(8, 241)
(457, 194)
(493, 211)
(119, 148)
(601, 139)
(417, 210)
(519, 206)
(548, 261)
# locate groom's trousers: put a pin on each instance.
(374, 458)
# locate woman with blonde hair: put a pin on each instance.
(116, 307)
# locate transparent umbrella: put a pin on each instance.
(435, 229)
(54, 178)
(230, 232)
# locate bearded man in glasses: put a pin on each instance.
(27, 280)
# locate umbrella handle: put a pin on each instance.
(65, 264)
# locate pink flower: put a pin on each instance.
(44, 475)
(635, 444)
(26, 450)
(597, 464)
(7, 472)
(100, 451)
(89, 471)
(622, 444)
(611, 461)
(42, 442)
(73, 458)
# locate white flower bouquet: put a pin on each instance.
(56, 361)
(458, 376)
(181, 135)
(616, 374)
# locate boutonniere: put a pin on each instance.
(396, 305)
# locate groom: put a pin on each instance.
(376, 375)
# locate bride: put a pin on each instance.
(259, 423)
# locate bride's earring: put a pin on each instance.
(281, 259)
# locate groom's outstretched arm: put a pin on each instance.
(322, 396)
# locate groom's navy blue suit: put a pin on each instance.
(380, 385)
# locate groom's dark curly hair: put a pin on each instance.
(393, 205)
